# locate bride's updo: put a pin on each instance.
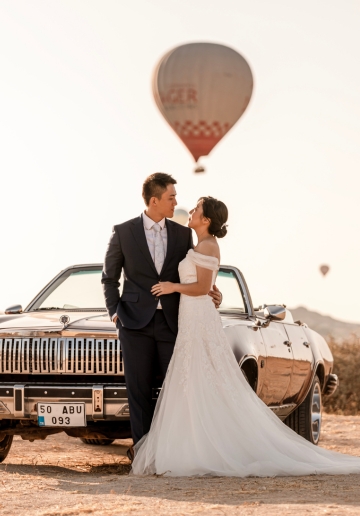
(217, 212)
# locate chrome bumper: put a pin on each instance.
(102, 402)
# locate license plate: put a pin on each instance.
(61, 414)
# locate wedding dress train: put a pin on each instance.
(208, 420)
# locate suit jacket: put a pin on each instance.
(128, 251)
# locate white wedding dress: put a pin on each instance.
(208, 420)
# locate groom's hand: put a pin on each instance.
(216, 296)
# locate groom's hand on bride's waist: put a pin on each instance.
(216, 296)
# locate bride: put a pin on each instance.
(208, 420)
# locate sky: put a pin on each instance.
(80, 131)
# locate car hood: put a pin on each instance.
(31, 323)
(36, 324)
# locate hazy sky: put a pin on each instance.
(80, 131)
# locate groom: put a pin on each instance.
(148, 249)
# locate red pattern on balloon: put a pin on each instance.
(200, 138)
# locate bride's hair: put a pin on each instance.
(217, 212)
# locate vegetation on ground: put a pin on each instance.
(346, 400)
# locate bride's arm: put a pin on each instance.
(200, 287)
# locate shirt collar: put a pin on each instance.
(148, 222)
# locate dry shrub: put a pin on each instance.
(346, 400)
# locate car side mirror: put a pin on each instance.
(14, 309)
(275, 312)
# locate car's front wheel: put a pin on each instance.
(306, 419)
(98, 442)
(5, 445)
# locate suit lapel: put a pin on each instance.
(171, 242)
(139, 233)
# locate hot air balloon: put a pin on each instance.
(181, 216)
(202, 89)
(324, 269)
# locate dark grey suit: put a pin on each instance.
(147, 335)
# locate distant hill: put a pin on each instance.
(326, 325)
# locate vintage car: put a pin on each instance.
(61, 365)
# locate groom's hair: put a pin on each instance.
(155, 185)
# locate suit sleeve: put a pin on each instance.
(190, 242)
(113, 264)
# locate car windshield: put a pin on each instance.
(228, 285)
(81, 289)
(74, 290)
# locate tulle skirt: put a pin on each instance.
(208, 420)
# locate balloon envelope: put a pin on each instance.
(324, 269)
(202, 89)
(181, 216)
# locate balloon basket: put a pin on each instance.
(198, 169)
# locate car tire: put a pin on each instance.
(249, 374)
(97, 442)
(5, 445)
(306, 419)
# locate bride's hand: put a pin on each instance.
(162, 288)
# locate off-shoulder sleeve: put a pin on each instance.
(202, 260)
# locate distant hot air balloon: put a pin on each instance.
(202, 89)
(181, 216)
(324, 269)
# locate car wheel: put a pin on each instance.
(245, 376)
(98, 442)
(249, 370)
(5, 445)
(306, 419)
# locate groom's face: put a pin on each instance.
(166, 205)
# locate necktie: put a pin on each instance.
(159, 254)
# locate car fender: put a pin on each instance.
(323, 359)
(248, 344)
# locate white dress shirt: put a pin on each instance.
(150, 236)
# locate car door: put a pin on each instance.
(279, 364)
(302, 365)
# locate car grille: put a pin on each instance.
(61, 355)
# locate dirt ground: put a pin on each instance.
(62, 476)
